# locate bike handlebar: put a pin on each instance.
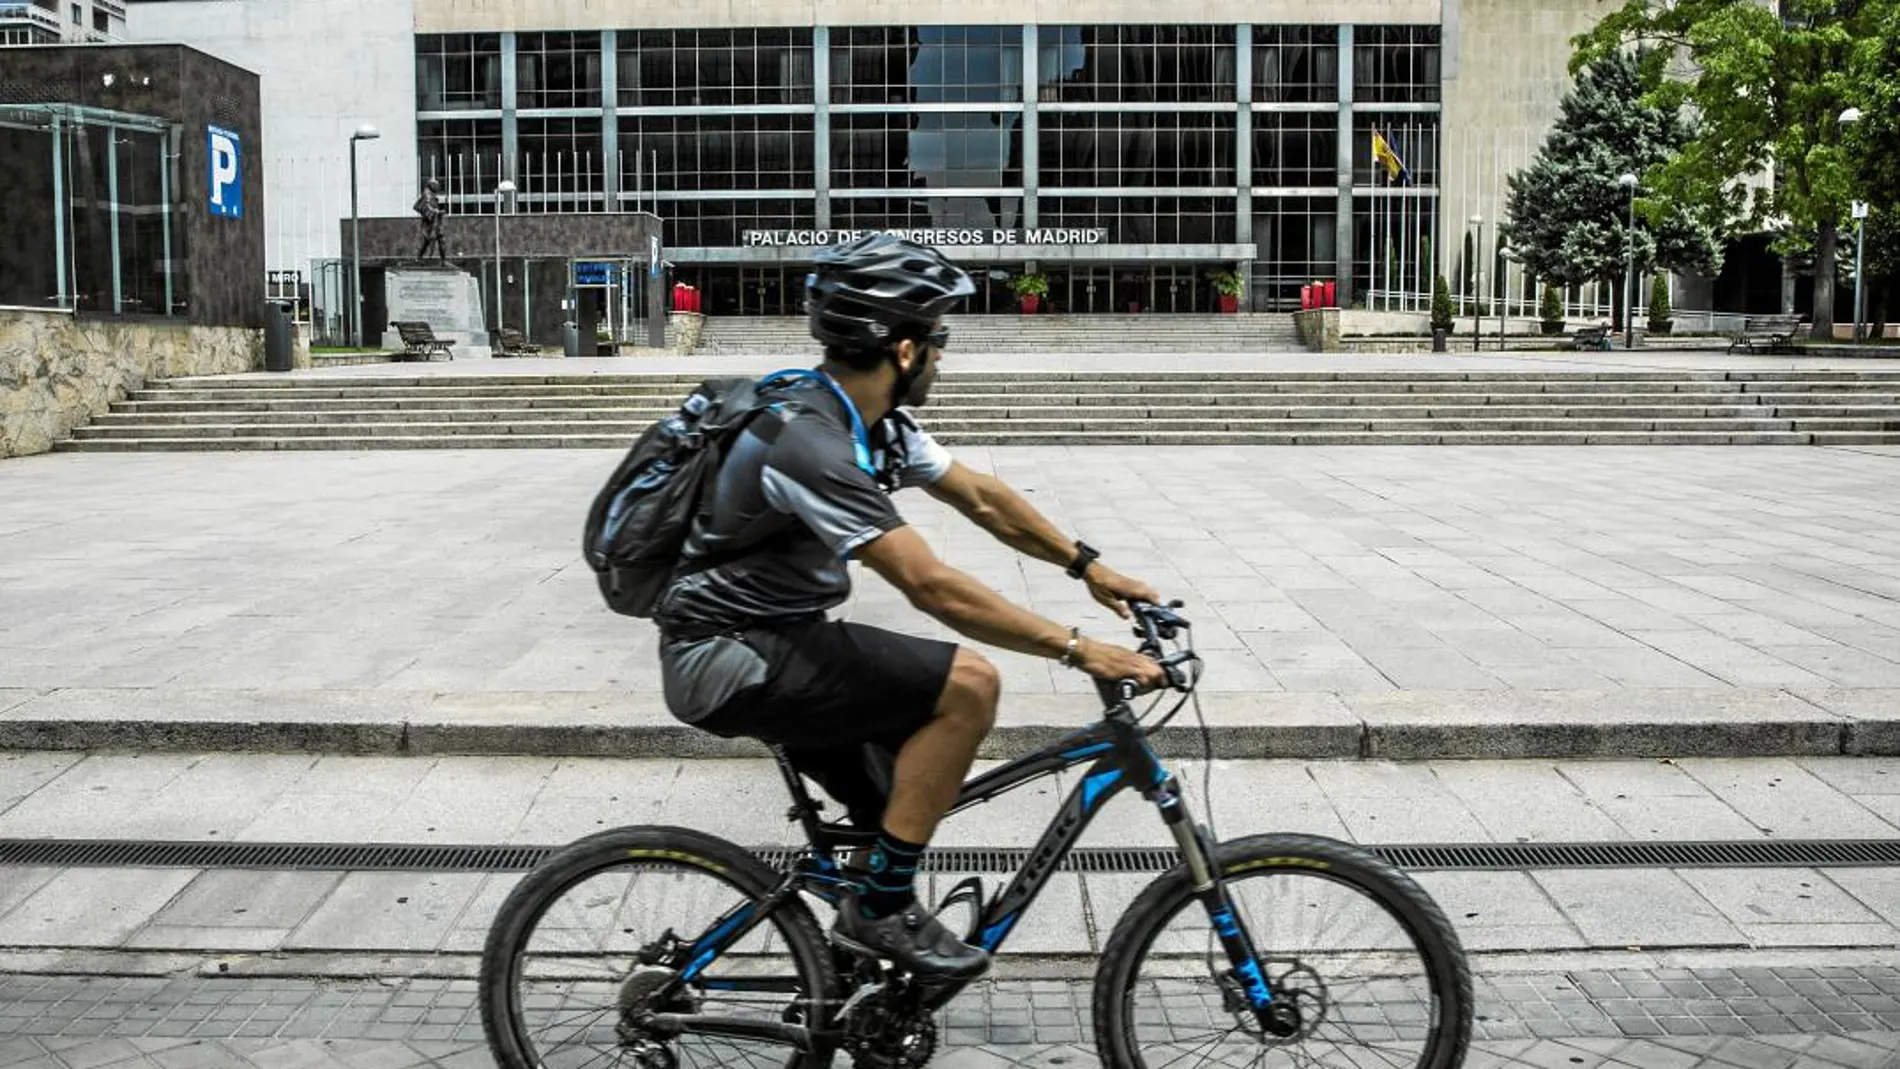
(1156, 624)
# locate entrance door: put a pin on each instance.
(1172, 289)
(770, 291)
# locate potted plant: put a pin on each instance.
(1659, 311)
(1227, 287)
(1550, 311)
(1442, 323)
(1030, 289)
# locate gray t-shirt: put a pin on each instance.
(793, 487)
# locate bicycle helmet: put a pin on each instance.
(865, 293)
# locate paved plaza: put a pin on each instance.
(1354, 593)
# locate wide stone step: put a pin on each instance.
(1306, 438)
(954, 389)
(256, 413)
(243, 401)
(948, 428)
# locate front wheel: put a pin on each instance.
(1367, 962)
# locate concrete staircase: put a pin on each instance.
(1038, 408)
(788, 335)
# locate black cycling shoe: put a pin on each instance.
(911, 937)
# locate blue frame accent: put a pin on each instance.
(713, 942)
(1093, 786)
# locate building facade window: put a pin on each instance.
(708, 221)
(1140, 149)
(1295, 64)
(715, 68)
(925, 150)
(1146, 220)
(671, 153)
(563, 165)
(1135, 64)
(458, 72)
(1395, 65)
(1413, 137)
(970, 212)
(462, 156)
(1295, 148)
(557, 70)
(926, 64)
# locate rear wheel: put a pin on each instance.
(591, 944)
(1367, 962)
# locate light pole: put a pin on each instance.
(1848, 117)
(501, 192)
(1504, 288)
(1628, 182)
(365, 132)
(1477, 282)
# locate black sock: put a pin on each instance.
(890, 884)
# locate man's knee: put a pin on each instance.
(972, 691)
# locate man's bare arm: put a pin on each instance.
(975, 611)
(995, 506)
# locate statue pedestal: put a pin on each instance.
(444, 296)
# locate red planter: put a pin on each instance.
(1031, 302)
(1229, 304)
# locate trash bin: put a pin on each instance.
(277, 338)
(571, 339)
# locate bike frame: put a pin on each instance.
(1122, 760)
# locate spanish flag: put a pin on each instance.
(1394, 167)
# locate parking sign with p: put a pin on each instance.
(226, 150)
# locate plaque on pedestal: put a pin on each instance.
(443, 296)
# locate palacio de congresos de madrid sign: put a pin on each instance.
(1092, 235)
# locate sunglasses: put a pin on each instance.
(938, 338)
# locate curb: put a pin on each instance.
(1396, 741)
(1400, 725)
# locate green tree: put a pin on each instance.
(1568, 214)
(1768, 84)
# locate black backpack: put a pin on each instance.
(639, 521)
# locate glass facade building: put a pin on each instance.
(1125, 162)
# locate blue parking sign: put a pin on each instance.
(226, 151)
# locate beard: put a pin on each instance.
(919, 392)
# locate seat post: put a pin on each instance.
(804, 809)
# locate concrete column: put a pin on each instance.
(1342, 228)
(610, 117)
(1243, 136)
(821, 124)
(1032, 126)
(510, 132)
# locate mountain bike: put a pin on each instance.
(658, 947)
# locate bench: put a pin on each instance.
(420, 342)
(514, 343)
(1590, 338)
(1770, 332)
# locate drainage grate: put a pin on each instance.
(411, 857)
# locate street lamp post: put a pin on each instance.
(1628, 182)
(501, 192)
(1850, 116)
(1477, 282)
(365, 132)
(1504, 289)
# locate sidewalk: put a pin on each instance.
(349, 922)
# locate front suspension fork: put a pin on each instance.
(1277, 1017)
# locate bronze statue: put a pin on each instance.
(430, 211)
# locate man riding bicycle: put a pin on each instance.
(746, 649)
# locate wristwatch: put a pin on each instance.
(1085, 555)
